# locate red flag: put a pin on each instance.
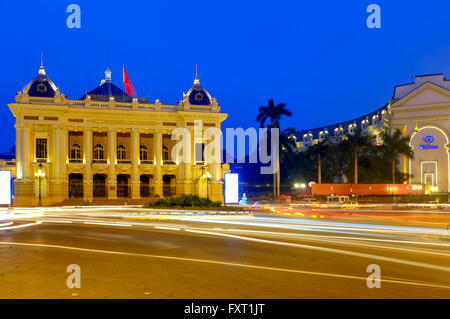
(128, 85)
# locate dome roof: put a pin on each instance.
(41, 86)
(106, 90)
(198, 95)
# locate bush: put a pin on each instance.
(184, 201)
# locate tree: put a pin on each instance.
(395, 145)
(273, 113)
(319, 150)
(355, 143)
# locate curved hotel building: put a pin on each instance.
(421, 110)
(110, 147)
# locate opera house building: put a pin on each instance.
(108, 147)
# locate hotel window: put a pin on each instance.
(365, 124)
(41, 148)
(98, 152)
(121, 152)
(143, 153)
(165, 153)
(75, 152)
(375, 119)
(199, 153)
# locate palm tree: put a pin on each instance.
(356, 142)
(319, 150)
(395, 145)
(273, 113)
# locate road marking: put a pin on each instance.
(304, 272)
(21, 226)
(108, 224)
(331, 250)
(166, 228)
(6, 224)
(56, 221)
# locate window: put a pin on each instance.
(121, 152)
(199, 152)
(143, 153)
(165, 153)
(75, 151)
(41, 148)
(98, 152)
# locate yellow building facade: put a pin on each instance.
(108, 147)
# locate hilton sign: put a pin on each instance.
(428, 146)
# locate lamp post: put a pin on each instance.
(206, 176)
(40, 174)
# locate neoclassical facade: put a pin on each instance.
(110, 147)
(421, 110)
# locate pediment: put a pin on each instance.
(427, 93)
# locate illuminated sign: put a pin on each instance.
(231, 188)
(428, 147)
(428, 139)
(5, 187)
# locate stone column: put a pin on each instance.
(28, 155)
(88, 183)
(112, 179)
(135, 181)
(158, 157)
(19, 152)
(56, 154)
(64, 151)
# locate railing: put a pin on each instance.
(99, 161)
(145, 162)
(123, 161)
(123, 191)
(169, 190)
(147, 190)
(75, 160)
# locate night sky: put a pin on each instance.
(318, 57)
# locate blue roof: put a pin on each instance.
(41, 86)
(105, 91)
(199, 96)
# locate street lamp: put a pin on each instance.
(40, 174)
(206, 176)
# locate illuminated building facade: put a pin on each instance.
(421, 110)
(110, 147)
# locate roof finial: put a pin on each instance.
(41, 69)
(108, 75)
(196, 81)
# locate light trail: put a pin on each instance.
(21, 226)
(325, 249)
(206, 261)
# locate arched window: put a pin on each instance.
(121, 152)
(165, 153)
(75, 151)
(98, 152)
(143, 153)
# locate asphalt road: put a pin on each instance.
(288, 252)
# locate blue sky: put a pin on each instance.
(318, 57)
